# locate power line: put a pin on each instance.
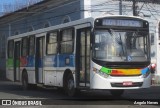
(78, 10)
(140, 8)
(154, 10)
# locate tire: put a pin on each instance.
(69, 85)
(25, 84)
(116, 92)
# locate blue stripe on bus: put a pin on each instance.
(50, 61)
(62, 60)
(66, 60)
(30, 61)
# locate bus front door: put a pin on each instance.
(39, 59)
(83, 57)
(17, 61)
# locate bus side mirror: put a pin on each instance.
(153, 68)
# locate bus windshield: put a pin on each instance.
(120, 46)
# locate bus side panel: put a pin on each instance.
(9, 70)
(50, 66)
(28, 63)
(66, 60)
(31, 75)
(54, 67)
(59, 80)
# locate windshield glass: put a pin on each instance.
(118, 45)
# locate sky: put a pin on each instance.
(10, 1)
(14, 2)
(6, 1)
(12, 5)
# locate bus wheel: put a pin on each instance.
(25, 82)
(70, 90)
(116, 92)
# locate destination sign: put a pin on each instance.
(123, 23)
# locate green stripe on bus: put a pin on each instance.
(106, 70)
(17, 63)
(10, 62)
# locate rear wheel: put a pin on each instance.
(25, 84)
(116, 92)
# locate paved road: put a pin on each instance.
(53, 97)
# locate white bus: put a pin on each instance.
(105, 53)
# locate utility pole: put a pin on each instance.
(120, 7)
(135, 8)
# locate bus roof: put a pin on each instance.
(56, 27)
(65, 25)
(138, 17)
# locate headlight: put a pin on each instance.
(105, 75)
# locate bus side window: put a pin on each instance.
(52, 43)
(10, 48)
(24, 47)
(66, 41)
(31, 45)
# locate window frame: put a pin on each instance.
(31, 46)
(27, 47)
(72, 40)
(57, 42)
(10, 50)
(152, 40)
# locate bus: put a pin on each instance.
(106, 53)
(155, 54)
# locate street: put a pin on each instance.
(52, 97)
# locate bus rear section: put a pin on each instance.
(48, 57)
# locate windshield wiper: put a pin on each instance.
(119, 42)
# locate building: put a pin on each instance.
(40, 15)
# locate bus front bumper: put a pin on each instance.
(128, 82)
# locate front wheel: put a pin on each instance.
(70, 89)
(116, 92)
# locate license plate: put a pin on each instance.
(129, 83)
